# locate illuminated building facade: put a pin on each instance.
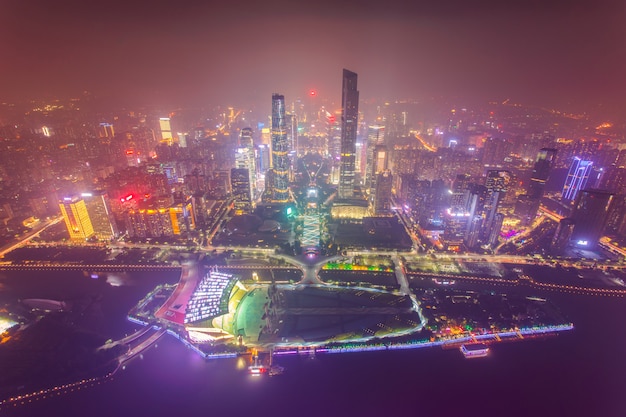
(241, 189)
(349, 121)
(375, 137)
(280, 150)
(382, 198)
(74, 211)
(378, 163)
(245, 158)
(106, 130)
(210, 298)
(166, 130)
(160, 221)
(100, 215)
(577, 178)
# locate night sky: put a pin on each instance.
(565, 52)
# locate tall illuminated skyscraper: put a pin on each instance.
(245, 157)
(577, 178)
(375, 137)
(349, 121)
(280, 150)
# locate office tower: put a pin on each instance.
(472, 235)
(562, 235)
(577, 178)
(264, 158)
(182, 139)
(590, 215)
(497, 184)
(349, 120)
(74, 211)
(527, 204)
(494, 231)
(245, 138)
(541, 172)
(382, 200)
(494, 151)
(100, 215)
(375, 137)
(105, 130)
(291, 123)
(245, 158)
(166, 130)
(241, 189)
(460, 193)
(378, 164)
(334, 136)
(280, 150)
(144, 223)
(266, 136)
(162, 219)
(498, 180)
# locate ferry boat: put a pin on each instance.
(257, 368)
(475, 350)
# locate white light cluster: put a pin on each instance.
(210, 299)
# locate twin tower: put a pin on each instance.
(280, 142)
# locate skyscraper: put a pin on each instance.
(74, 211)
(166, 130)
(375, 137)
(590, 215)
(382, 201)
(242, 192)
(528, 204)
(280, 150)
(541, 172)
(577, 178)
(379, 163)
(245, 158)
(100, 215)
(349, 121)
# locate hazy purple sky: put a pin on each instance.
(230, 52)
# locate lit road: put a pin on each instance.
(28, 236)
(425, 144)
(142, 346)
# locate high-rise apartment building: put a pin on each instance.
(349, 121)
(280, 150)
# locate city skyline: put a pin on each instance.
(552, 54)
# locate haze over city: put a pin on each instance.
(554, 53)
(330, 208)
